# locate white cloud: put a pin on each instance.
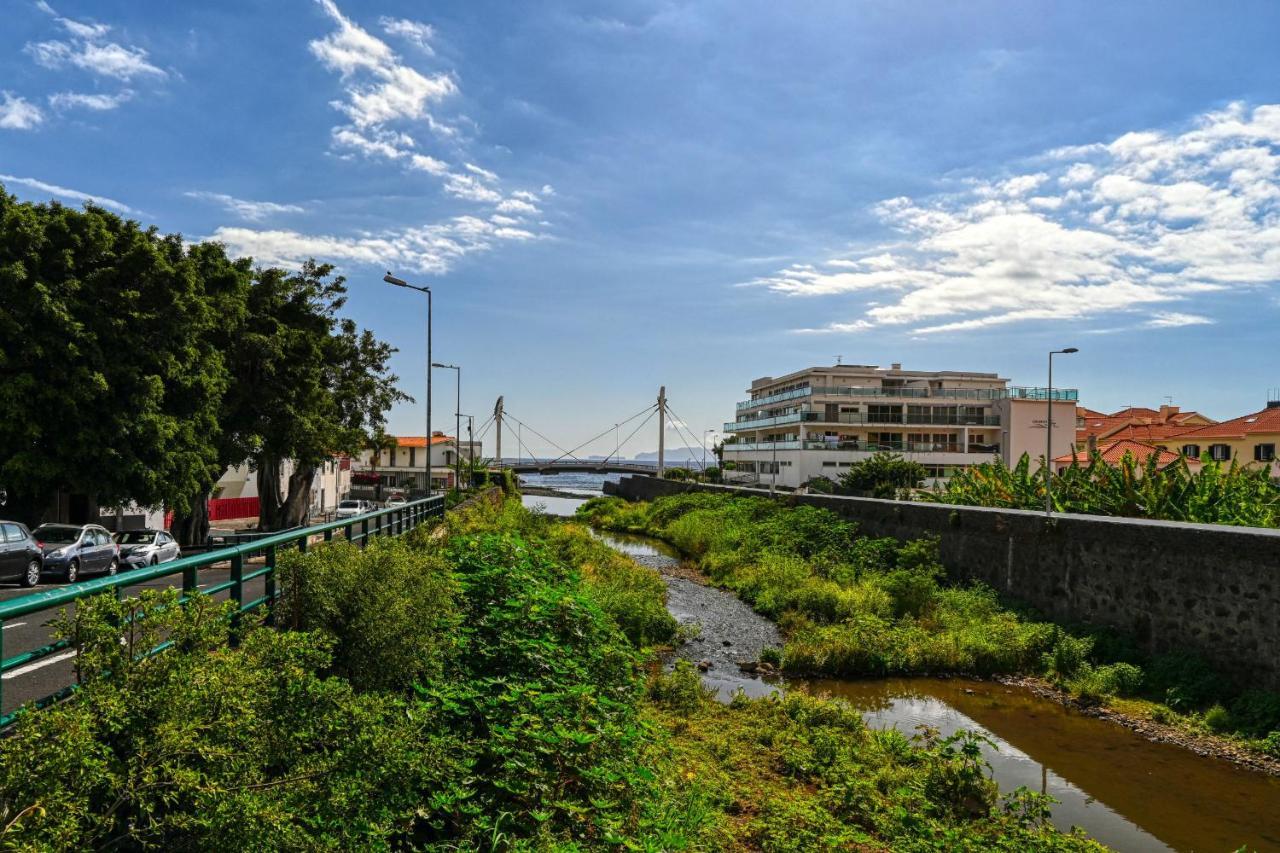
(517, 205)
(63, 192)
(481, 173)
(1138, 225)
(432, 248)
(253, 211)
(471, 188)
(17, 113)
(106, 59)
(1172, 319)
(414, 32)
(88, 50)
(379, 87)
(73, 100)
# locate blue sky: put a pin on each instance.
(610, 196)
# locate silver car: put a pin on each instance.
(140, 548)
(350, 508)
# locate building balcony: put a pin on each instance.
(865, 419)
(866, 447)
(1066, 395)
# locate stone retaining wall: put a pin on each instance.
(1171, 586)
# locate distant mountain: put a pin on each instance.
(677, 454)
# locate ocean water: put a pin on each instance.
(587, 485)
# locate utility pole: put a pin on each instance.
(497, 418)
(662, 430)
(398, 282)
(1048, 434)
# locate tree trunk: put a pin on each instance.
(297, 505)
(192, 528)
(268, 477)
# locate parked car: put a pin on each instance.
(20, 556)
(350, 508)
(76, 549)
(393, 502)
(146, 547)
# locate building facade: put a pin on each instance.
(1251, 440)
(403, 468)
(818, 421)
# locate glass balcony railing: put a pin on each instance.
(865, 419)
(1066, 395)
(865, 446)
(780, 397)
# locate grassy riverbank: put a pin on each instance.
(487, 688)
(851, 605)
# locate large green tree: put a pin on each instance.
(111, 375)
(307, 384)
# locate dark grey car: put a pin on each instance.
(140, 548)
(20, 557)
(75, 549)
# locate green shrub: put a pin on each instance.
(390, 608)
(681, 689)
(1218, 719)
(1068, 657)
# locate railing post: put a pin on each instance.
(364, 531)
(269, 584)
(237, 589)
(328, 536)
(190, 580)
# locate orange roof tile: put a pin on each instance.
(421, 441)
(1114, 452)
(1265, 422)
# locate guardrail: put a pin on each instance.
(386, 522)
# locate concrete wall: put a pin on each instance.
(1171, 586)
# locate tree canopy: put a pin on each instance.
(135, 366)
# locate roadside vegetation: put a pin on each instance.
(857, 606)
(482, 685)
(1216, 494)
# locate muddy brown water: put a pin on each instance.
(1124, 790)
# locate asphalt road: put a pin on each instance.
(50, 674)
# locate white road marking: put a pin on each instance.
(14, 625)
(43, 662)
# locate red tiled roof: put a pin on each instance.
(1082, 412)
(1265, 422)
(421, 441)
(1115, 451)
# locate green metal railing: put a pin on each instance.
(393, 521)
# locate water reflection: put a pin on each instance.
(1124, 790)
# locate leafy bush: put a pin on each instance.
(209, 747)
(1215, 494)
(882, 475)
(390, 607)
(1068, 657)
(1218, 719)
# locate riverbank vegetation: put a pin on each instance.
(1216, 494)
(857, 606)
(483, 685)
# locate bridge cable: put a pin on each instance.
(539, 435)
(604, 433)
(642, 425)
(680, 433)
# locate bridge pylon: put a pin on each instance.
(662, 429)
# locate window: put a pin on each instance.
(1220, 452)
(1191, 451)
(1264, 452)
(828, 464)
(11, 533)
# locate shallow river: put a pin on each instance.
(1125, 791)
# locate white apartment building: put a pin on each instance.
(331, 483)
(403, 468)
(818, 421)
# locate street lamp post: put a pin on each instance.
(457, 423)
(398, 282)
(1048, 431)
(704, 448)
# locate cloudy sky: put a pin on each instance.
(610, 196)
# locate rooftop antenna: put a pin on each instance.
(839, 360)
(1168, 398)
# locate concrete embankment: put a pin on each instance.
(1171, 586)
